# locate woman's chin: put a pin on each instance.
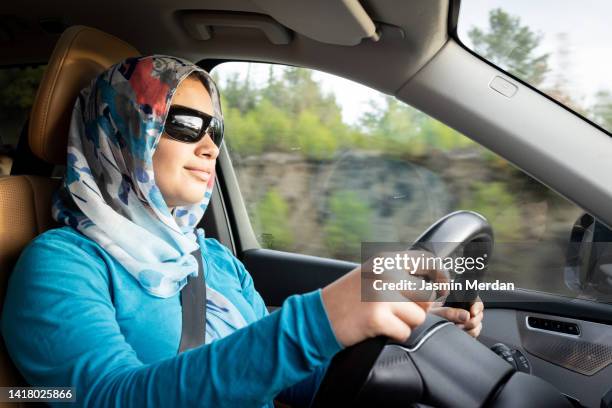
(191, 193)
(192, 199)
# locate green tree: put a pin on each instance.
(276, 90)
(439, 136)
(498, 205)
(271, 221)
(602, 110)
(276, 127)
(398, 129)
(239, 94)
(18, 88)
(292, 113)
(244, 134)
(512, 46)
(348, 225)
(315, 140)
(393, 128)
(558, 90)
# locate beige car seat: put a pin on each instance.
(25, 201)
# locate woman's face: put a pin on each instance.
(176, 164)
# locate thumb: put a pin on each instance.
(452, 314)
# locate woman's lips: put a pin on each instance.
(201, 174)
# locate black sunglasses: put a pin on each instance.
(190, 126)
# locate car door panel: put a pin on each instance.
(508, 326)
(278, 275)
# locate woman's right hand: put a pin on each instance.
(354, 320)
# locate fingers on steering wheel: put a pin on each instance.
(409, 312)
(397, 329)
(474, 321)
(453, 314)
(477, 307)
(475, 332)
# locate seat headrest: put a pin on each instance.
(79, 56)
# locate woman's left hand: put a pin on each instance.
(470, 322)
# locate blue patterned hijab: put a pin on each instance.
(109, 192)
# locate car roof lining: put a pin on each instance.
(409, 36)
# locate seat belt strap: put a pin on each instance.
(193, 305)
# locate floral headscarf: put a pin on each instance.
(109, 192)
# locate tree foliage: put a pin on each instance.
(271, 221)
(292, 113)
(17, 91)
(348, 225)
(498, 205)
(602, 109)
(512, 46)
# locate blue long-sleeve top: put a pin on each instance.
(73, 316)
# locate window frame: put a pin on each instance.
(236, 230)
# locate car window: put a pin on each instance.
(559, 47)
(325, 164)
(18, 87)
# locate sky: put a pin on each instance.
(585, 70)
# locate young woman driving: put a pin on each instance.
(95, 304)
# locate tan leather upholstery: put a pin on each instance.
(26, 212)
(25, 201)
(80, 54)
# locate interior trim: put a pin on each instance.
(548, 303)
(199, 24)
(529, 327)
(425, 338)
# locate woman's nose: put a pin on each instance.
(207, 147)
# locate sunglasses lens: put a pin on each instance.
(186, 128)
(190, 127)
(216, 131)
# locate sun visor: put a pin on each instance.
(332, 22)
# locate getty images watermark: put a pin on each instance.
(390, 273)
(509, 272)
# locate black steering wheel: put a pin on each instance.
(438, 365)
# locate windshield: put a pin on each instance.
(560, 47)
